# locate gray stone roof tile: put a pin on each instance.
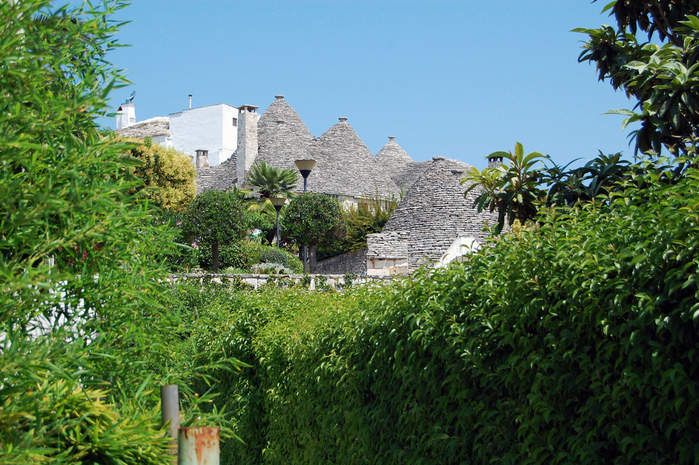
(282, 136)
(221, 178)
(345, 166)
(154, 127)
(433, 214)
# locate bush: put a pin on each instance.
(271, 268)
(274, 256)
(574, 341)
(168, 175)
(230, 255)
(254, 254)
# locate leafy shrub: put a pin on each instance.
(254, 254)
(87, 327)
(168, 175)
(230, 255)
(574, 341)
(274, 256)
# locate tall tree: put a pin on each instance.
(168, 175)
(664, 79)
(311, 219)
(214, 218)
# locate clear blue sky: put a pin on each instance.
(459, 79)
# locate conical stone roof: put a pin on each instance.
(345, 166)
(282, 136)
(220, 178)
(435, 213)
(392, 155)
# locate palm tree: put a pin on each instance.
(270, 181)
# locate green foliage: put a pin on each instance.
(72, 254)
(255, 252)
(511, 188)
(228, 324)
(575, 341)
(215, 218)
(270, 181)
(310, 218)
(663, 78)
(87, 330)
(368, 217)
(274, 256)
(230, 255)
(517, 189)
(168, 175)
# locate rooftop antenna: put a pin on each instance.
(190, 101)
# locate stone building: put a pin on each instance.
(344, 168)
(429, 225)
(431, 222)
(209, 135)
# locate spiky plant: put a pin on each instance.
(270, 181)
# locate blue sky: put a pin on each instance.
(459, 79)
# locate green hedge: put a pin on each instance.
(571, 342)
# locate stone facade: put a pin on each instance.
(352, 262)
(432, 215)
(426, 223)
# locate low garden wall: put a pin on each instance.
(313, 281)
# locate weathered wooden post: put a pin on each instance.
(169, 400)
(198, 446)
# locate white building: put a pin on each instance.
(210, 130)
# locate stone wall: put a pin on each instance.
(433, 214)
(337, 281)
(352, 262)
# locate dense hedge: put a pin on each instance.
(572, 342)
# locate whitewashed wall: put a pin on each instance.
(206, 128)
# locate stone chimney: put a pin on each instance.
(202, 159)
(126, 116)
(494, 162)
(247, 140)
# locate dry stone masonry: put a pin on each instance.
(432, 215)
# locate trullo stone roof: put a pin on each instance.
(220, 178)
(431, 216)
(282, 136)
(345, 166)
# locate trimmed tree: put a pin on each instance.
(214, 218)
(168, 175)
(311, 219)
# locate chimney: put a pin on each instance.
(202, 159)
(247, 140)
(494, 162)
(190, 101)
(126, 116)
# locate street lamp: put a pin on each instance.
(278, 203)
(305, 167)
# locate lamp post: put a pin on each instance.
(278, 203)
(305, 167)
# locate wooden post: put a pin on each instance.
(198, 446)
(169, 401)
